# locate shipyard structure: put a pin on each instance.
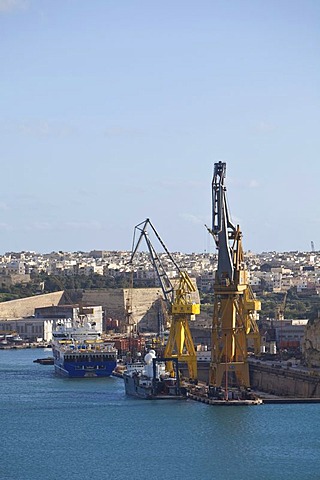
(33, 317)
(227, 351)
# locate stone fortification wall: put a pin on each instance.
(14, 278)
(281, 382)
(286, 382)
(111, 300)
(144, 303)
(145, 307)
(24, 307)
(311, 344)
(116, 301)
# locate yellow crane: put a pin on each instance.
(180, 342)
(235, 307)
(178, 300)
(281, 308)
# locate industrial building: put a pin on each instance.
(39, 327)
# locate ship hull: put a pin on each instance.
(86, 364)
(85, 369)
(140, 389)
(132, 387)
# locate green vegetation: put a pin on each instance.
(49, 283)
(81, 282)
(296, 306)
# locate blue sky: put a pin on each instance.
(112, 111)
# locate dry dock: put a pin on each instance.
(283, 381)
(277, 383)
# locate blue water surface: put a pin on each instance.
(55, 428)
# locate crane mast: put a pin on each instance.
(234, 317)
(178, 301)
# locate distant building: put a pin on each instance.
(40, 326)
(29, 329)
(61, 313)
(290, 333)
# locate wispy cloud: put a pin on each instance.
(84, 225)
(49, 226)
(45, 128)
(250, 183)
(121, 131)
(253, 183)
(264, 127)
(135, 189)
(4, 206)
(37, 128)
(189, 217)
(8, 6)
(35, 202)
(5, 226)
(43, 226)
(171, 184)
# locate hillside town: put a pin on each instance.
(268, 271)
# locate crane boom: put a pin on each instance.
(179, 304)
(165, 282)
(221, 223)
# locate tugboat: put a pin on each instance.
(149, 379)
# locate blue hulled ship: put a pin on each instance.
(79, 351)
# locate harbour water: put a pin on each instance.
(54, 428)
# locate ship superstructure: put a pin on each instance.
(151, 380)
(79, 351)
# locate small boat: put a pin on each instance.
(44, 361)
(80, 352)
(118, 371)
(149, 379)
(17, 339)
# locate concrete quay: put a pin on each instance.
(276, 383)
(285, 382)
(24, 346)
(285, 400)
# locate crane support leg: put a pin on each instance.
(180, 345)
(229, 343)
